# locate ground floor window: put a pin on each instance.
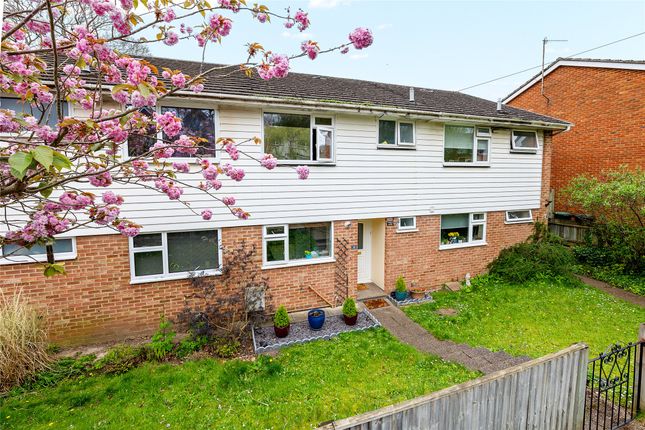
(173, 255)
(519, 216)
(407, 223)
(64, 249)
(458, 229)
(297, 242)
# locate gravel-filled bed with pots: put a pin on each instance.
(410, 301)
(264, 338)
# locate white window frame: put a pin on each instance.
(40, 258)
(166, 275)
(525, 150)
(519, 220)
(403, 229)
(478, 134)
(186, 105)
(397, 134)
(285, 238)
(471, 222)
(312, 126)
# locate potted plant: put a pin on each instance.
(316, 318)
(349, 311)
(416, 292)
(401, 291)
(308, 254)
(453, 237)
(281, 322)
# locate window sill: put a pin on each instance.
(455, 164)
(407, 230)
(173, 277)
(303, 262)
(21, 259)
(524, 221)
(461, 245)
(395, 147)
(306, 163)
(524, 151)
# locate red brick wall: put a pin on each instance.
(416, 255)
(95, 301)
(607, 110)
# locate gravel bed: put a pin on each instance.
(411, 301)
(264, 338)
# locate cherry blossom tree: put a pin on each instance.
(48, 160)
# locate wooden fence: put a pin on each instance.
(546, 393)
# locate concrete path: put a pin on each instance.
(408, 331)
(616, 292)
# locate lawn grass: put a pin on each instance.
(300, 388)
(533, 319)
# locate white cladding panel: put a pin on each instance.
(366, 182)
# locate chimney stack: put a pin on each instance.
(499, 105)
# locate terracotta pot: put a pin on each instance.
(350, 320)
(281, 331)
(418, 294)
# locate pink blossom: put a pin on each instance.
(228, 201)
(268, 161)
(169, 15)
(262, 17)
(197, 88)
(207, 215)
(185, 145)
(126, 4)
(110, 198)
(71, 200)
(169, 122)
(171, 38)
(288, 23)
(302, 19)
(161, 150)
(345, 50)
(182, 167)
(210, 172)
(174, 192)
(101, 180)
(104, 215)
(232, 151)
(361, 38)
(7, 125)
(128, 228)
(303, 172)
(178, 80)
(238, 212)
(233, 5)
(278, 67)
(310, 48)
(40, 27)
(220, 25)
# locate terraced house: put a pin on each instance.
(414, 182)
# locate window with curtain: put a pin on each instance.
(464, 144)
(463, 228)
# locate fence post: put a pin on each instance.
(641, 368)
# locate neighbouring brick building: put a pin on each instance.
(412, 182)
(605, 102)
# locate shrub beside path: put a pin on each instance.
(408, 331)
(628, 296)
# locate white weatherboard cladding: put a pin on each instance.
(366, 182)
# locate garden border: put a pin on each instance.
(279, 345)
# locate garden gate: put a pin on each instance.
(614, 381)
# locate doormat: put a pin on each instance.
(375, 303)
(362, 287)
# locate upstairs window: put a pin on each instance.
(297, 242)
(196, 122)
(64, 249)
(49, 114)
(524, 141)
(465, 144)
(395, 133)
(174, 255)
(299, 137)
(462, 229)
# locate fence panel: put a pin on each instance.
(546, 393)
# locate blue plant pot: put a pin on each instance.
(316, 318)
(400, 295)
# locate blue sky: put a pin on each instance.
(445, 45)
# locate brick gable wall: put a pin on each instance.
(607, 109)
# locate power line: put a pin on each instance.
(538, 66)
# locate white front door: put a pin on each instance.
(364, 255)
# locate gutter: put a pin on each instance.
(370, 110)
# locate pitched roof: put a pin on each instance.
(576, 62)
(326, 90)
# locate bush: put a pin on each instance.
(190, 345)
(226, 347)
(120, 359)
(543, 255)
(400, 285)
(281, 317)
(162, 341)
(349, 307)
(23, 342)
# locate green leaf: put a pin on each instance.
(44, 155)
(144, 89)
(61, 162)
(45, 192)
(119, 87)
(54, 269)
(19, 162)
